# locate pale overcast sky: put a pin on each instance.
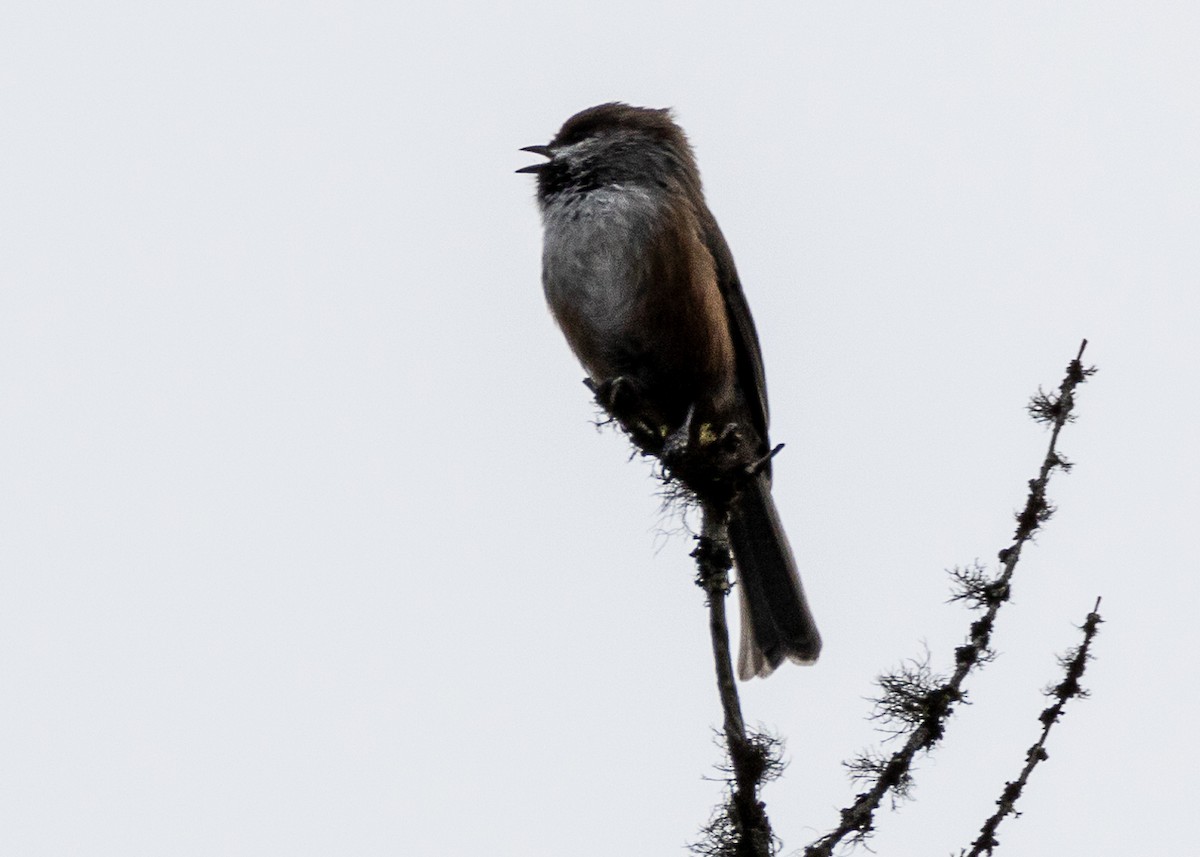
(308, 545)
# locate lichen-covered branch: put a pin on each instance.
(915, 701)
(739, 826)
(710, 474)
(1073, 663)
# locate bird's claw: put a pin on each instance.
(610, 393)
(620, 398)
(679, 443)
(756, 467)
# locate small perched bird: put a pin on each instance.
(641, 281)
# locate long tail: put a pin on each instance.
(776, 621)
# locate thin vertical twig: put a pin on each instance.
(713, 562)
(742, 828)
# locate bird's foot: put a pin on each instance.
(613, 394)
(622, 400)
(730, 438)
(679, 444)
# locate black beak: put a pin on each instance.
(544, 151)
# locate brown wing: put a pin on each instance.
(750, 374)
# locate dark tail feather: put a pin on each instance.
(776, 621)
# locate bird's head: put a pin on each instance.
(614, 144)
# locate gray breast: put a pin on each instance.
(592, 258)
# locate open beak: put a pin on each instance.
(544, 151)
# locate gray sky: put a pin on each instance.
(308, 546)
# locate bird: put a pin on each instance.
(642, 283)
